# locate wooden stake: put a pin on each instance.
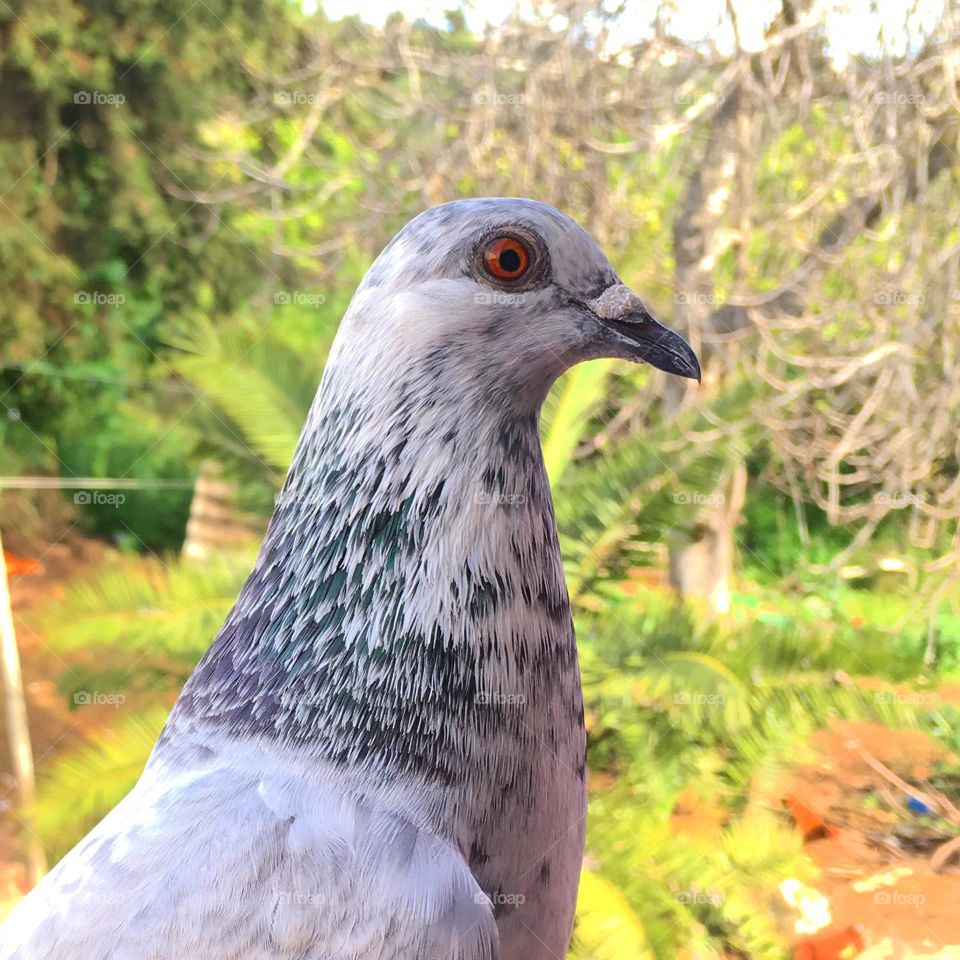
(18, 732)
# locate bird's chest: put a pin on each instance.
(523, 829)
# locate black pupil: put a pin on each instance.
(510, 261)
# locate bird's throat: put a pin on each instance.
(408, 593)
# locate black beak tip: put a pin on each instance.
(675, 356)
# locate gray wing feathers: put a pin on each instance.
(233, 868)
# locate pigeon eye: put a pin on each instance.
(506, 258)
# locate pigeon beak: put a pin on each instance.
(637, 336)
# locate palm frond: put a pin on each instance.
(638, 490)
(567, 413)
(81, 786)
(258, 383)
(143, 605)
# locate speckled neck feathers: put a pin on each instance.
(409, 588)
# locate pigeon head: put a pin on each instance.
(500, 296)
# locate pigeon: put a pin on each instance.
(382, 754)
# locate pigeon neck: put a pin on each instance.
(410, 579)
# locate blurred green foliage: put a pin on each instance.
(674, 710)
(145, 328)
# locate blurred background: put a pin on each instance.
(765, 570)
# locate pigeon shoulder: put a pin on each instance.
(231, 862)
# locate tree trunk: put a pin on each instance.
(702, 560)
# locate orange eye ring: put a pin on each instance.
(506, 258)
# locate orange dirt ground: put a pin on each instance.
(918, 910)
